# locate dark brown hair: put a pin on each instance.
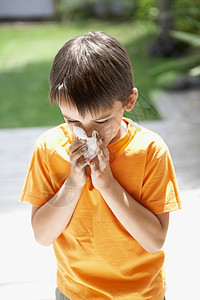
(91, 72)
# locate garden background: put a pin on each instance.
(162, 40)
(28, 47)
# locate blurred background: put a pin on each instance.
(163, 42)
(161, 38)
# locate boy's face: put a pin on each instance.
(107, 123)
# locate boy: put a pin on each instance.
(107, 217)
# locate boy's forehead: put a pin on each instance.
(71, 111)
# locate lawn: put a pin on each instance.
(26, 56)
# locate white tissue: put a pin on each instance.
(91, 142)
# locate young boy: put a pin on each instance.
(108, 217)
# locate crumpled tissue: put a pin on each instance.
(91, 142)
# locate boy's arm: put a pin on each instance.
(147, 228)
(49, 220)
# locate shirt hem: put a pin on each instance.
(167, 208)
(36, 201)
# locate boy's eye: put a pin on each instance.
(102, 122)
(70, 121)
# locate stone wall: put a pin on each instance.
(16, 9)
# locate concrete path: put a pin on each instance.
(28, 270)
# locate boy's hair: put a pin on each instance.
(91, 72)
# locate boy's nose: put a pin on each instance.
(89, 132)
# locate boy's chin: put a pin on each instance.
(108, 142)
(112, 140)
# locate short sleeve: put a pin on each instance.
(38, 188)
(160, 190)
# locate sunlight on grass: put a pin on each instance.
(26, 56)
(22, 45)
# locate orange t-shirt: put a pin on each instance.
(96, 257)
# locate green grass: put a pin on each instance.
(26, 56)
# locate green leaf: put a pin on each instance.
(195, 71)
(178, 64)
(192, 22)
(192, 11)
(167, 78)
(190, 38)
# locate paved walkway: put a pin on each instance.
(28, 270)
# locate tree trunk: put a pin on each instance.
(165, 45)
(165, 17)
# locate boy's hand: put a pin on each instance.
(101, 173)
(78, 164)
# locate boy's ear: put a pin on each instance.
(131, 100)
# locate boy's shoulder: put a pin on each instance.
(145, 139)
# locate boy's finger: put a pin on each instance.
(76, 145)
(102, 160)
(99, 137)
(105, 151)
(95, 163)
